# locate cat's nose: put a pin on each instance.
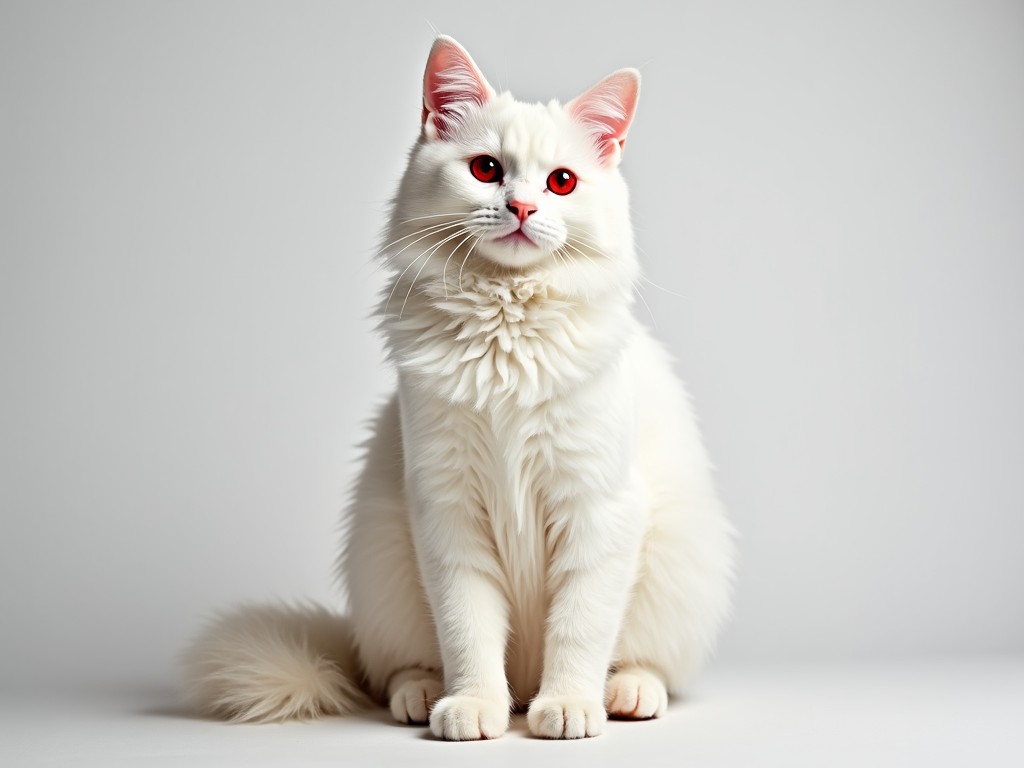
(521, 209)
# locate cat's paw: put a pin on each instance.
(566, 717)
(468, 718)
(412, 700)
(635, 694)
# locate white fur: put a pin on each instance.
(262, 663)
(536, 521)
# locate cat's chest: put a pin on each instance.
(491, 344)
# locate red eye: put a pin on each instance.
(486, 169)
(562, 181)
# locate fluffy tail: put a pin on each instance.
(261, 662)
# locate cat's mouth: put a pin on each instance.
(517, 249)
(516, 238)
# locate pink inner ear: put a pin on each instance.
(607, 110)
(452, 84)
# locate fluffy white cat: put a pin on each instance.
(535, 526)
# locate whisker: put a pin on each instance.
(429, 253)
(577, 234)
(660, 288)
(590, 243)
(593, 247)
(379, 250)
(429, 216)
(422, 230)
(562, 256)
(463, 265)
(436, 231)
(647, 257)
(398, 280)
(584, 255)
(444, 272)
(641, 297)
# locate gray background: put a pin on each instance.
(830, 195)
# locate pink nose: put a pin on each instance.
(521, 209)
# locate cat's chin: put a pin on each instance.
(515, 251)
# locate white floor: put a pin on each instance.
(913, 714)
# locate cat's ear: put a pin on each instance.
(452, 84)
(606, 110)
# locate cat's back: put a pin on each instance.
(666, 422)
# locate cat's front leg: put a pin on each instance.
(589, 583)
(472, 623)
(459, 570)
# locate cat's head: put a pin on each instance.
(496, 185)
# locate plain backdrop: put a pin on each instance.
(830, 202)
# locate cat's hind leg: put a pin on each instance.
(391, 620)
(635, 693)
(679, 601)
(412, 693)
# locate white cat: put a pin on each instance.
(535, 526)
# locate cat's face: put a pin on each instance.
(494, 182)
